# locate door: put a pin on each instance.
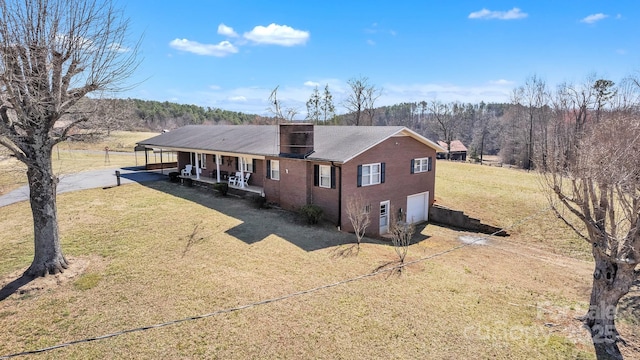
(384, 217)
(417, 207)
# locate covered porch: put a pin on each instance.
(212, 180)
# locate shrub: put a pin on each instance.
(222, 188)
(311, 213)
(259, 201)
(174, 176)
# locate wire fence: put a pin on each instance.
(275, 299)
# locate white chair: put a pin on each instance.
(246, 179)
(235, 179)
(187, 170)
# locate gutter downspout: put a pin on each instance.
(339, 197)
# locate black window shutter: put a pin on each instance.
(359, 175)
(237, 164)
(430, 162)
(382, 173)
(333, 177)
(316, 175)
(413, 164)
(254, 164)
(268, 169)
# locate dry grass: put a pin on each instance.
(151, 254)
(502, 197)
(72, 157)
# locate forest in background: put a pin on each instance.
(478, 126)
(514, 131)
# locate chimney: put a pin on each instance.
(296, 140)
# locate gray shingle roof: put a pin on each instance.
(331, 143)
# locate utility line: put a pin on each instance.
(272, 300)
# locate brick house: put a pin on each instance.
(292, 165)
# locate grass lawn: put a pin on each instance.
(150, 254)
(73, 157)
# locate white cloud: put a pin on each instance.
(215, 87)
(621, 52)
(501, 82)
(594, 18)
(275, 34)
(371, 42)
(239, 98)
(222, 49)
(226, 30)
(311, 83)
(118, 48)
(512, 14)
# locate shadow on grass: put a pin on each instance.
(257, 224)
(12, 287)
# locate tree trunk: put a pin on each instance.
(610, 282)
(48, 257)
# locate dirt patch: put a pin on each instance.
(15, 284)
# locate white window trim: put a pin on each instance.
(275, 170)
(247, 165)
(421, 165)
(326, 176)
(371, 174)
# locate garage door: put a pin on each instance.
(418, 207)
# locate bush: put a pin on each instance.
(311, 213)
(222, 188)
(259, 201)
(174, 176)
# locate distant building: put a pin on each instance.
(458, 151)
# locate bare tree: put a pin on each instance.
(401, 234)
(534, 98)
(593, 178)
(445, 124)
(358, 215)
(52, 54)
(327, 108)
(313, 106)
(361, 101)
(281, 114)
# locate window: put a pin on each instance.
(370, 174)
(274, 169)
(202, 160)
(247, 165)
(325, 176)
(420, 165)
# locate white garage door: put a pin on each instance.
(418, 207)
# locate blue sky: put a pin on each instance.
(232, 54)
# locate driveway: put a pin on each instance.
(91, 179)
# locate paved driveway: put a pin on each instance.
(89, 180)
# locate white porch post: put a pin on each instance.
(197, 167)
(218, 167)
(241, 165)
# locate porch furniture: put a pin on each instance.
(187, 170)
(235, 179)
(246, 179)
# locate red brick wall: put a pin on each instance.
(327, 199)
(396, 153)
(290, 192)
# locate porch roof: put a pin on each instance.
(331, 143)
